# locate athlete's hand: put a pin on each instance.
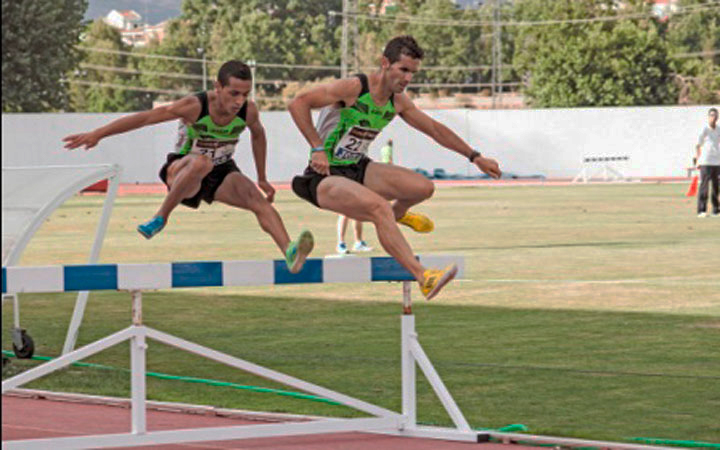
(489, 166)
(87, 140)
(320, 164)
(268, 189)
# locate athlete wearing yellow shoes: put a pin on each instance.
(341, 177)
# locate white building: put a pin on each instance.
(132, 30)
(124, 20)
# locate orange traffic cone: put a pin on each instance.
(692, 191)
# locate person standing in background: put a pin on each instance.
(386, 153)
(360, 244)
(708, 161)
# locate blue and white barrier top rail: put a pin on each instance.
(96, 277)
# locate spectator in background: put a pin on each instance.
(386, 153)
(708, 161)
(360, 244)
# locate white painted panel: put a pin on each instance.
(35, 279)
(348, 269)
(248, 273)
(144, 276)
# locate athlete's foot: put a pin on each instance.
(418, 222)
(151, 227)
(361, 246)
(342, 248)
(434, 280)
(298, 250)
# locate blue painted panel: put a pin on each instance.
(388, 269)
(196, 274)
(312, 272)
(91, 277)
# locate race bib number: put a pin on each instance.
(355, 143)
(218, 151)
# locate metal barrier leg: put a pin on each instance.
(138, 346)
(409, 401)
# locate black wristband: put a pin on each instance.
(474, 155)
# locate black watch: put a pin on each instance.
(474, 155)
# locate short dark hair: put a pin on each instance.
(233, 68)
(713, 110)
(402, 45)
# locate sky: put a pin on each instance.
(152, 11)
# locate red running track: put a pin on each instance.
(33, 418)
(159, 188)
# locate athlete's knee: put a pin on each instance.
(425, 189)
(259, 204)
(380, 210)
(201, 165)
(254, 200)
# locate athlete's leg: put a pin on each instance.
(184, 177)
(355, 201)
(405, 187)
(239, 191)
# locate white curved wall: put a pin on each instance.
(552, 142)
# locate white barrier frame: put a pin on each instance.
(605, 169)
(110, 172)
(384, 421)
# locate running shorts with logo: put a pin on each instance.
(347, 132)
(217, 142)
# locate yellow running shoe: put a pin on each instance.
(418, 222)
(435, 279)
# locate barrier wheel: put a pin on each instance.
(28, 347)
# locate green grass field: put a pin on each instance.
(586, 311)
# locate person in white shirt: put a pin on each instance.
(708, 161)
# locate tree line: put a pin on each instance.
(561, 53)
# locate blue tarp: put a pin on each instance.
(440, 174)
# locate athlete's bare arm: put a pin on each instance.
(258, 141)
(346, 91)
(441, 134)
(187, 109)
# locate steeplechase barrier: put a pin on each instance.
(605, 165)
(136, 278)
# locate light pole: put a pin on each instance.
(497, 56)
(355, 39)
(204, 67)
(253, 67)
(344, 40)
